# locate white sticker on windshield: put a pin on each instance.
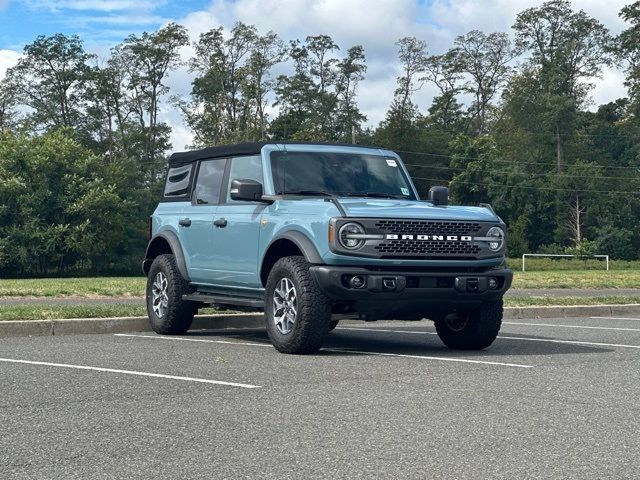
(391, 162)
(405, 191)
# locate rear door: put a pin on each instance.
(236, 237)
(197, 219)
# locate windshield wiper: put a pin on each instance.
(308, 192)
(375, 195)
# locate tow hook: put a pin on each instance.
(389, 284)
(471, 284)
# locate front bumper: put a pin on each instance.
(415, 291)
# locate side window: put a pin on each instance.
(244, 168)
(178, 182)
(209, 182)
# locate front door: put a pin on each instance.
(197, 219)
(238, 232)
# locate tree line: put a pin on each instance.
(83, 152)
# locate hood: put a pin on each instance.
(389, 208)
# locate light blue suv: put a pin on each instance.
(314, 232)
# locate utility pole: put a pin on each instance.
(353, 134)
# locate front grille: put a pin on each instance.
(413, 247)
(428, 227)
(420, 239)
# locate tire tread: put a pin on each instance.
(314, 309)
(180, 313)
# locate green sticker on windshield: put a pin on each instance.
(405, 191)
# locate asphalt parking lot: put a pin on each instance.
(552, 398)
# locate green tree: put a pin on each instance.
(50, 79)
(627, 48)
(318, 100)
(150, 57)
(351, 70)
(229, 94)
(61, 206)
(399, 127)
(567, 49)
(485, 60)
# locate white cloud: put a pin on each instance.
(134, 19)
(378, 24)
(375, 24)
(8, 58)
(608, 88)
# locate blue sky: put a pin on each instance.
(375, 24)
(96, 21)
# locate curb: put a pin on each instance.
(23, 328)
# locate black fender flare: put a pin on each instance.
(300, 240)
(176, 248)
(303, 242)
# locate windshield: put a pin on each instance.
(342, 174)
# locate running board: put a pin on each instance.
(224, 300)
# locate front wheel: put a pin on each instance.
(168, 313)
(296, 310)
(474, 330)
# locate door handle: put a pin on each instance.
(185, 222)
(220, 223)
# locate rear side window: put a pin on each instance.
(178, 182)
(209, 182)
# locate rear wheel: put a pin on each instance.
(471, 331)
(296, 311)
(168, 313)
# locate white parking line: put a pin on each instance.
(616, 318)
(576, 342)
(424, 357)
(130, 372)
(573, 342)
(571, 326)
(225, 342)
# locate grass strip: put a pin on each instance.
(569, 301)
(587, 279)
(67, 287)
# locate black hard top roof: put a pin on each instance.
(249, 148)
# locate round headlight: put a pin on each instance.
(498, 233)
(347, 233)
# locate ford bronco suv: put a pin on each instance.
(312, 233)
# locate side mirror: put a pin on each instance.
(439, 195)
(246, 190)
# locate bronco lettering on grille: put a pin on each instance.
(441, 238)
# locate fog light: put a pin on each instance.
(357, 282)
(493, 283)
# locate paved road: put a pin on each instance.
(549, 292)
(553, 398)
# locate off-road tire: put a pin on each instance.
(179, 313)
(481, 329)
(313, 310)
(333, 324)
